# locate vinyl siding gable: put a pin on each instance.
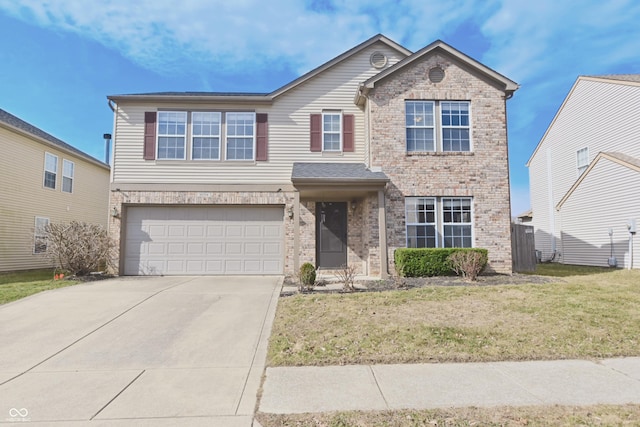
(23, 197)
(598, 115)
(288, 137)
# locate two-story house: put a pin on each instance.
(44, 180)
(377, 149)
(584, 175)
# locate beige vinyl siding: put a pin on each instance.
(288, 131)
(606, 198)
(599, 115)
(23, 197)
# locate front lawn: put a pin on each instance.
(20, 284)
(538, 416)
(581, 316)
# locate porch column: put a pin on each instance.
(296, 232)
(382, 233)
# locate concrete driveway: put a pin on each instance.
(143, 351)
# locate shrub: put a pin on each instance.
(79, 248)
(469, 263)
(307, 275)
(426, 262)
(347, 274)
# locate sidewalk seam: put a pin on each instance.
(378, 385)
(118, 394)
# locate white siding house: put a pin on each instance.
(584, 176)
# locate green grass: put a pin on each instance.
(597, 415)
(581, 316)
(20, 284)
(565, 270)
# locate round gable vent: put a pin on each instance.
(436, 74)
(378, 60)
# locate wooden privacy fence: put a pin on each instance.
(523, 248)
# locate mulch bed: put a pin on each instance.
(399, 283)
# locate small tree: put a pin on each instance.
(307, 276)
(468, 263)
(79, 248)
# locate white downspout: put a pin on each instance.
(552, 216)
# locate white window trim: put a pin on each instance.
(441, 127)
(434, 126)
(407, 224)
(36, 234)
(72, 177)
(439, 225)
(159, 135)
(219, 136)
(44, 174)
(580, 168)
(339, 132)
(471, 207)
(438, 145)
(226, 136)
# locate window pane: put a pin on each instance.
(420, 139)
(455, 126)
(420, 220)
(457, 236)
(206, 148)
(67, 184)
(240, 136)
(50, 180)
(40, 237)
(419, 120)
(331, 131)
(171, 134)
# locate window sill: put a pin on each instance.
(439, 153)
(332, 154)
(222, 163)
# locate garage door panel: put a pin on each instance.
(204, 240)
(272, 249)
(233, 231)
(195, 248)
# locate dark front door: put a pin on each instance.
(331, 233)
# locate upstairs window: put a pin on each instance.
(419, 118)
(450, 118)
(50, 170)
(331, 131)
(582, 160)
(205, 135)
(172, 128)
(455, 126)
(240, 135)
(67, 176)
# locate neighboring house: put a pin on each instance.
(379, 148)
(44, 180)
(585, 174)
(525, 217)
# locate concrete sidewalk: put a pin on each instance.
(426, 386)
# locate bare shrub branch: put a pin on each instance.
(79, 248)
(346, 274)
(467, 263)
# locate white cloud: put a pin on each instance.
(167, 36)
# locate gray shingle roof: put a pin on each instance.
(15, 122)
(336, 172)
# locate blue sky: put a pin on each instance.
(59, 59)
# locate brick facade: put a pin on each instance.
(482, 173)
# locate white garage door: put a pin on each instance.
(174, 240)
